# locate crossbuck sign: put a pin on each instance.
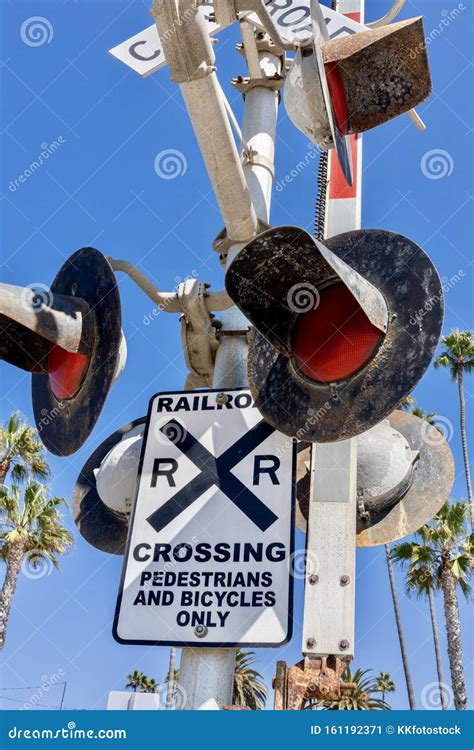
(210, 546)
(144, 54)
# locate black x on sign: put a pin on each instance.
(215, 471)
(210, 545)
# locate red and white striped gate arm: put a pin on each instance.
(343, 203)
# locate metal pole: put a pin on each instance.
(209, 673)
(329, 602)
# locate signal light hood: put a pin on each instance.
(280, 275)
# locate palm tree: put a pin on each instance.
(361, 699)
(148, 685)
(415, 556)
(448, 554)
(21, 451)
(428, 416)
(171, 680)
(458, 358)
(384, 684)
(406, 403)
(30, 529)
(401, 635)
(249, 689)
(135, 680)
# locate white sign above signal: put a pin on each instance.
(144, 53)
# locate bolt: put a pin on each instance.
(344, 645)
(311, 642)
(200, 631)
(313, 578)
(222, 398)
(344, 580)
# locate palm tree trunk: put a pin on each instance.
(453, 630)
(13, 563)
(439, 661)
(170, 684)
(465, 452)
(401, 636)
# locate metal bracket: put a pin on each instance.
(223, 242)
(250, 156)
(198, 330)
(244, 84)
(311, 679)
(263, 43)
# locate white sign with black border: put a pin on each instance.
(210, 545)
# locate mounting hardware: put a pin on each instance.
(344, 580)
(311, 642)
(201, 631)
(344, 645)
(222, 398)
(313, 578)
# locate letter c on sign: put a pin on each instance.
(133, 51)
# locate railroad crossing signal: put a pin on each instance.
(69, 337)
(103, 519)
(351, 84)
(343, 331)
(396, 494)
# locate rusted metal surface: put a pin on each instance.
(32, 319)
(64, 425)
(279, 684)
(98, 525)
(314, 678)
(384, 71)
(263, 281)
(431, 483)
(232, 707)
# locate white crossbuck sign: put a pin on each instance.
(144, 54)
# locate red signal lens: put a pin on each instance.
(66, 371)
(336, 339)
(338, 96)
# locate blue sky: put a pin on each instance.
(100, 188)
